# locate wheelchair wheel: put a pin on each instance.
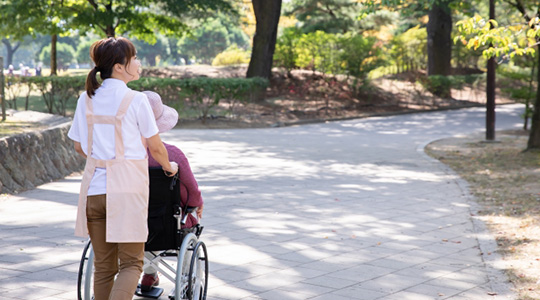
(198, 273)
(182, 269)
(85, 278)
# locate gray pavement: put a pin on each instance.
(341, 210)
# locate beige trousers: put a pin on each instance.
(124, 259)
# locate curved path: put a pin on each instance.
(341, 210)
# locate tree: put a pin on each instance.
(11, 47)
(143, 18)
(267, 13)
(211, 37)
(150, 54)
(331, 16)
(509, 40)
(82, 54)
(65, 55)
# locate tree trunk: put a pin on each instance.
(439, 44)
(267, 13)
(490, 100)
(490, 86)
(173, 49)
(10, 50)
(109, 31)
(54, 67)
(534, 136)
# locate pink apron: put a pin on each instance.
(127, 184)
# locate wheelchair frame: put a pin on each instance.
(190, 275)
(190, 271)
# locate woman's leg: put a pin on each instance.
(131, 257)
(105, 254)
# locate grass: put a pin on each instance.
(505, 181)
(10, 127)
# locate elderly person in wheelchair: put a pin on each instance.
(190, 195)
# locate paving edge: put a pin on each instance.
(499, 282)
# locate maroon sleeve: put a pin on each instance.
(189, 189)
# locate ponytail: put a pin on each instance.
(91, 83)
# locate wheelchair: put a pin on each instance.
(177, 253)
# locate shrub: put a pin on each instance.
(16, 87)
(318, 51)
(438, 84)
(286, 54)
(350, 54)
(408, 50)
(58, 90)
(231, 56)
(202, 93)
(358, 55)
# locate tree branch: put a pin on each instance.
(93, 3)
(520, 7)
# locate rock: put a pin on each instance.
(33, 158)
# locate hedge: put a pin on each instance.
(200, 93)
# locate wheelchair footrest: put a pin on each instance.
(155, 292)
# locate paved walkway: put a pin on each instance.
(342, 210)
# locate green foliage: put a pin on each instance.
(318, 51)
(15, 87)
(201, 93)
(349, 54)
(331, 16)
(494, 40)
(286, 54)
(206, 41)
(358, 56)
(440, 85)
(231, 56)
(150, 54)
(82, 54)
(65, 55)
(58, 91)
(410, 48)
(29, 17)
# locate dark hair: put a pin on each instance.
(105, 54)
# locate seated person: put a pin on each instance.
(166, 119)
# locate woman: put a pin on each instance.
(110, 127)
(190, 195)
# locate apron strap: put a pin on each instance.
(113, 120)
(118, 141)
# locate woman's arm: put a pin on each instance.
(79, 149)
(159, 153)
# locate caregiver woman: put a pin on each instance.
(110, 125)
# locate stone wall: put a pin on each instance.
(30, 159)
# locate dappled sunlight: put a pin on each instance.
(400, 131)
(239, 160)
(377, 173)
(313, 210)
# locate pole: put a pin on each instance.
(2, 93)
(490, 86)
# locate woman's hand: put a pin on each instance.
(172, 170)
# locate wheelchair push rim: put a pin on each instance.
(198, 277)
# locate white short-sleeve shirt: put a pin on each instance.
(138, 121)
